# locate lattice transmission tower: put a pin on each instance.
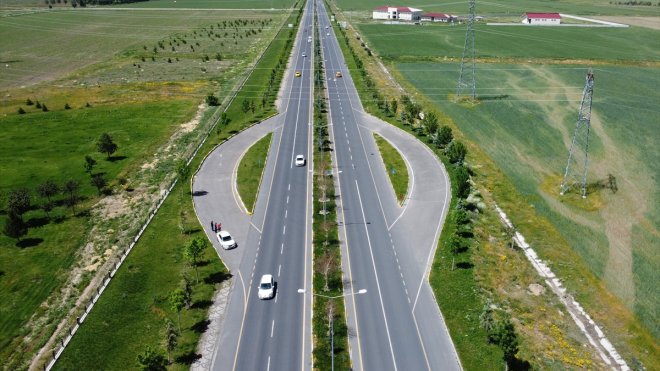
(578, 155)
(466, 78)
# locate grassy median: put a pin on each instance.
(395, 167)
(250, 171)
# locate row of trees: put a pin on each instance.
(20, 200)
(178, 300)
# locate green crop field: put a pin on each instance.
(510, 7)
(527, 129)
(423, 42)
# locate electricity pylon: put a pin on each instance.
(578, 155)
(466, 76)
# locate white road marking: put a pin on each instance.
(268, 366)
(272, 328)
(279, 270)
(287, 199)
(284, 230)
(282, 248)
(286, 212)
(289, 187)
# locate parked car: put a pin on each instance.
(225, 240)
(266, 287)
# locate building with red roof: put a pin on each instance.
(397, 12)
(544, 19)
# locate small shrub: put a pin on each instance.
(21, 110)
(67, 106)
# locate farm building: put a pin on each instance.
(397, 12)
(437, 17)
(545, 19)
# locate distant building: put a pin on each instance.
(403, 13)
(546, 19)
(437, 17)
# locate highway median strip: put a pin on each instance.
(250, 171)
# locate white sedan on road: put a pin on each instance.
(225, 240)
(266, 287)
(300, 160)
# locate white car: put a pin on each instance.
(300, 160)
(304, 54)
(266, 287)
(225, 240)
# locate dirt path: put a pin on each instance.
(647, 22)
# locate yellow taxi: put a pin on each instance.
(298, 74)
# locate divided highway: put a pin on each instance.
(381, 255)
(397, 323)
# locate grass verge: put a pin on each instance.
(328, 312)
(250, 170)
(137, 300)
(395, 166)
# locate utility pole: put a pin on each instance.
(578, 155)
(466, 78)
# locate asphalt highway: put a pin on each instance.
(382, 253)
(276, 239)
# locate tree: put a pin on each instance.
(106, 145)
(171, 340)
(486, 318)
(67, 106)
(462, 182)
(445, 136)
(177, 302)
(18, 202)
(21, 111)
(44, 108)
(193, 251)
(29, 102)
(212, 100)
(456, 152)
(48, 189)
(15, 227)
(47, 207)
(187, 290)
(150, 360)
(504, 335)
(325, 264)
(89, 164)
(430, 123)
(71, 188)
(99, 182)
(245, 105)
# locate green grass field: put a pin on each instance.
(213, 4)
(436, 42)
(90, 56)
(162, 242)
(109, 42)
(250, 169)
(395, 166)
(54, 149)
(511, 7)
(527, 135)
(132, 312)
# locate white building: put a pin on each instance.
(545, 19)
(437, 17)
(397, 12)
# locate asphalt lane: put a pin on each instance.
(388, 252)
